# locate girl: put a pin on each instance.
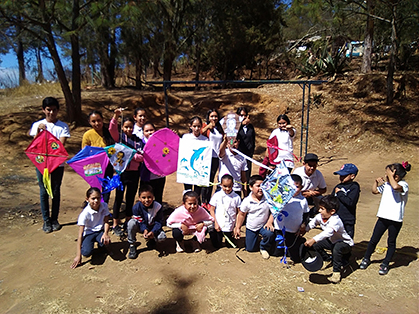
(195, 126)
(247, 136)
(390, 212)
(93, 225)
(140, 118)
(147, 177)
(131, 175)
(214, 132)
(190, 218)
(280, 143)
(99, 136)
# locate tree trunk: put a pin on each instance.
(198, 64)
(21, 62)
(369, 33)
(168, 57)
(40, 76)
(75, 58)
(138, 71)
(391, 63)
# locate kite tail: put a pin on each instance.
(281, 245)
(46, 179)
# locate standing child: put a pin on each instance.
(233, 164)
(131, 175)
(93, 225)
(188, 219)
(147, 218)
(224, 207)
(333, 237)
(60, 130)
(259, 219)
(213, 130)
(347, 192)
(282, 138)
(297, 214)
(390, 214)
(99, 136)
(147, 177)
(195, 127)
(140, 118)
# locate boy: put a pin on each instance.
(224, 206)
(60, 130)
(333, 237)
(147, 218)
(233, 164)
(347, 192)
(314, 184)
(259, 219)
(297, 214)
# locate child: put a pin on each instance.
(93, 225)
(333, 237)
(224, 205)
(140, 118)
(131, 175)
(195, 127)
(263, 172)
(99, 136)
(390, 212)
(60, 130)
(347, 192)
(282, 138)
(259, 219)
(147, 177)
(213, 130)
(190, 218)
(147, 218)
(233, 164)
(297, 214)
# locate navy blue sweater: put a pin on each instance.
(348, 197)
(140, 214)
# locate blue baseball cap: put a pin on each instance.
(347, 169)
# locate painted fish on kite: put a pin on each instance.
(46, 152)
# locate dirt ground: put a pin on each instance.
(35, 272)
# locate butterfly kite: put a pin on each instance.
(46, 152)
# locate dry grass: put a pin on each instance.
(36, 89)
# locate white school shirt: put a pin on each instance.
(316, 180)
(285, 141)
(138, 131)
(332, 229)
(392, 202)
(215, 138)
(257, 212)
(190, 136)
(225, 209)
(58, 129)
(233, 165)
(295, 208)
(93, 220)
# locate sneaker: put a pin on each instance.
(265, 254)
(47, 227)
(383, 269)
(364, 263)
(335, 277)
(196, 247)
(117, 231)
(132, 252)
(179, 247)
(56, 226)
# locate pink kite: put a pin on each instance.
(90, 163)
(46, 152)
(161, 152)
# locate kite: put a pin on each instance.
(161, 152)
(90, 163)
(278, 188)
(46, 152)
(120, 156)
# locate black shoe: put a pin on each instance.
(47, 227)
(55, 226)
(117, 231)
(383, 269)
(132, 252)
(364, 263)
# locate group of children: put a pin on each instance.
(226, 211)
